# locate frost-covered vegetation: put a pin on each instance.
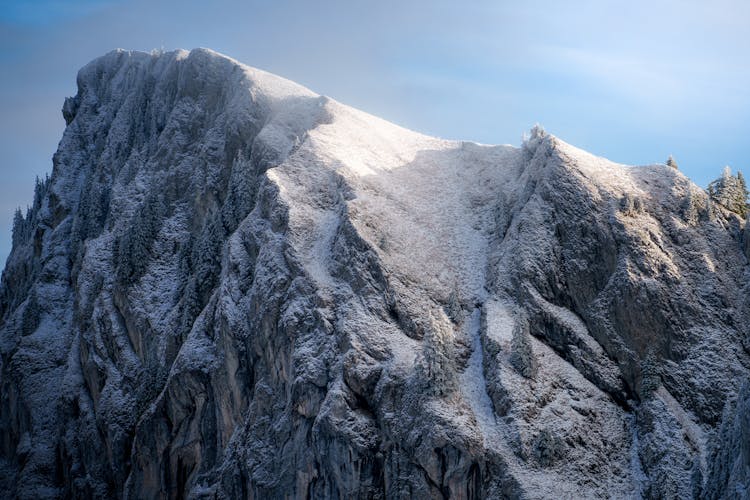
(730, 191)
(233, 287)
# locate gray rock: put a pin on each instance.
(232, 287)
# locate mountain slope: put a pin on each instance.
(233, 287)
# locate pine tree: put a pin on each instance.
(38, 192)
(631, 205)
(730, 192)
(709, 210)
(691, 207)
(743, 192)
(534, 138)
(437, 366)
(206, 256)
(98, 199)
(41, 186)
(239, 200)
(134, 245)
(19, 227)
(671, 162)
(191, 308)
(453, 308)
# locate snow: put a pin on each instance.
(499, 319)
(640, 480)
(430, 198)
(426, 205)
(431, 212)
(692, 431)
(474, 385)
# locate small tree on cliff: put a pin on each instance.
(730, 192)
(671, 162)
(19, 227)
(436, 364)
(743, 192)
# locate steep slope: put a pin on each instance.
(233, 287)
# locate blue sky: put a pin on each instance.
(633, 81)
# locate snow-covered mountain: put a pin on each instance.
(232, 287)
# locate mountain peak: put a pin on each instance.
(232, 286)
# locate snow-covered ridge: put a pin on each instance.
(234, 287)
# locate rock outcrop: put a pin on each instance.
(231, 287)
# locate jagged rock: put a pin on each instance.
(232, 287)
(729, 462)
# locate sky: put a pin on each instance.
(632, 81)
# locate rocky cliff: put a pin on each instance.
(231, 287)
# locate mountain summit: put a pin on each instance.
(231, 287)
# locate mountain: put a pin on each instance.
(231, 287)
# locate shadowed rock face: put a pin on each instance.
(232, 287)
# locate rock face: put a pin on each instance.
(231, 287)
